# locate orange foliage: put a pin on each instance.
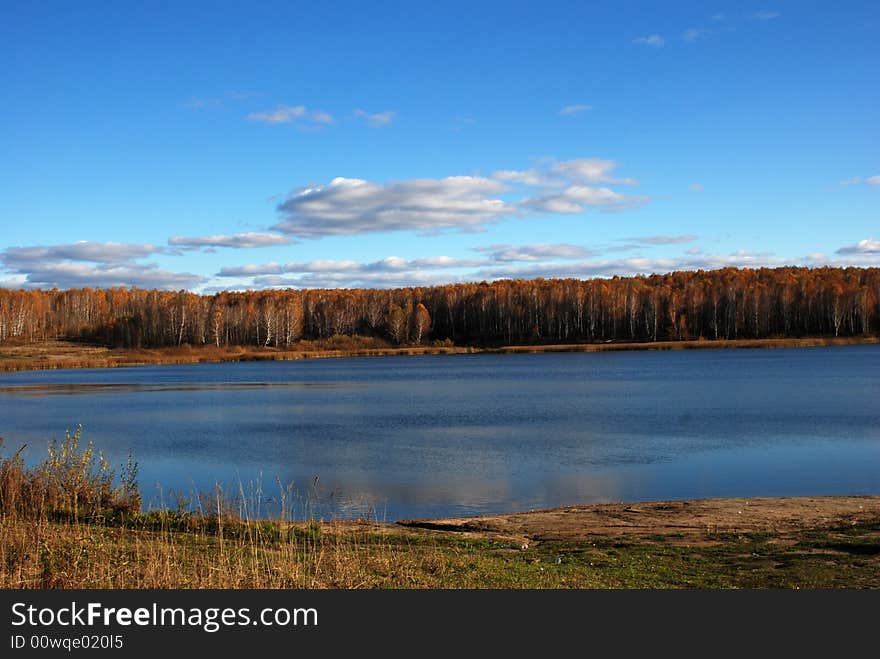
(721, 304)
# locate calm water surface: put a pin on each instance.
(396, 437)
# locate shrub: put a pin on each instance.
(73, 480)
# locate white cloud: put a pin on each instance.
(510, 253)
(496, 260)
(321, 117)
(288, 114)
(630, 266)
(502, 261)
(375, 119)
(858, 180)
(530, 177)
(867, 246)
(571, 110)
(578, 198)
(589, 170)
(694, 34)
(271, 268)
(355, 280)
(349, 206)
(70, 274)
(235, 241)
(83, 250)
(388, 264)
(93, 264)
(467, 203)
(283, 114)
(566, 172)
(766, 15)
(654, 40)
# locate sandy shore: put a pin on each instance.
(688, 520)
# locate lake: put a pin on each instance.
(429, 436)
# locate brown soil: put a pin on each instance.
(690, 520)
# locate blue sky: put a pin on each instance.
(225, 146)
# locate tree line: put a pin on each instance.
(730, 303)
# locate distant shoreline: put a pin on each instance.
(52, 355)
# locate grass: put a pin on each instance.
(35, 554)
(66, 354)
(71, 522)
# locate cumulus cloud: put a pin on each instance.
(530, 177)
(571, 110)
(354, 280)
(375, 119)
(873, 180)
(283, 114)
(539, 252)
(867, 246)
(235, 241)
(350, 206)
(544, 260)
(502, 262)
(388, 264)
(630, 266)
(578, 198)
(589, 170)
(493, 255)
(570, 186)
(654, 40)
(74, 275)
(556, 174)
(84, 250)
(91, 264)
(497, 261)
(288, 114)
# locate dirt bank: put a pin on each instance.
(691, 520)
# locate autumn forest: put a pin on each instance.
(721, 304)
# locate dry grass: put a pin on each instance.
(37, 554)
(65, 354)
